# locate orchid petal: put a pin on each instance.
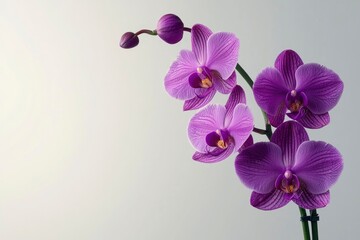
(312, 201)
(241, 125)
(259, 165)
(249, 142)
(216, 155)
(237, 96)
(279, 117)
(222, 53)
(270, 201)
(198, 102)
(314, 121)
(199, 36)
(318, 165)
(287, 62)
(288, 136)
(322, 87)
(204, 122)
(177, 79)
(270, 91)
(221, 85)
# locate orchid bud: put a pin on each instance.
(170, 28)
(129, 40)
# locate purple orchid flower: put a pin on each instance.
(217, 131)
(290, 167)
(308, 91)
(196, 75)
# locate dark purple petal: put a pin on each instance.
(270, 91)
(288, 136)
(170, 28)
(279, 117)
(318, 165)
(322, 87)
(204, 122)
(312, 201)
(241, 125)
(129, 40)
(221, 85)
(199, 36)
(215, 155)
(198, 102)
(249, 142)
(270, 201)
(259, 165)
(177, 79)
(237, 96)
(287, 62)
(314, 121)
(222, 53)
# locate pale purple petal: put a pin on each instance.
(237, 96)
(222, 53)
(177, 79)
(259, 165)
(287, 62)
(221, 85)
(198, 102)
(279, 117)
(270, 90)
(241, 125)
(318, 165)
(204, 122)
(314, 121)
(216, 155)
(199, 37)
(312, 201)
(322, 87)
(288, 136)
(270, 201)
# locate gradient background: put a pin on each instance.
(92, 147)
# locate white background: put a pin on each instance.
(92, 147)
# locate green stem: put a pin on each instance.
(305, 225)
(314, 226)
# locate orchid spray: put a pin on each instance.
(290, 167)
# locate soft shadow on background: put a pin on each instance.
(92, 147)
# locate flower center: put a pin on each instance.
(218, 138)
(287, 182)
(201, 78)
(295, 100)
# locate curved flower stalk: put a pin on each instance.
(217, 131)
(306, 91)
(198, 74)
(290, 167)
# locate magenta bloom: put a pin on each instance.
(306, 91)
(290, 167)
(217, 131)
(196, 75)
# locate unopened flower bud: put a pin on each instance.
(129, 40)
(170, 28)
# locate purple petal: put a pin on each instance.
(222, 53)
(287, 62)
(288, 136)
(216, 155)
(312, 201)
(270, 91)
(199, 36)
(221, 85)
(237, 96)
(241, 125)
(204, 122)
(279, 117)
(259, 165)
(198, 102)
(314, 121)
(270, 201)
(249, 142)
(322, 87)
(177, 79)
(318, 165)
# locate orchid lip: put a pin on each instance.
(287, 182)
(295, 101)
(219, 138)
